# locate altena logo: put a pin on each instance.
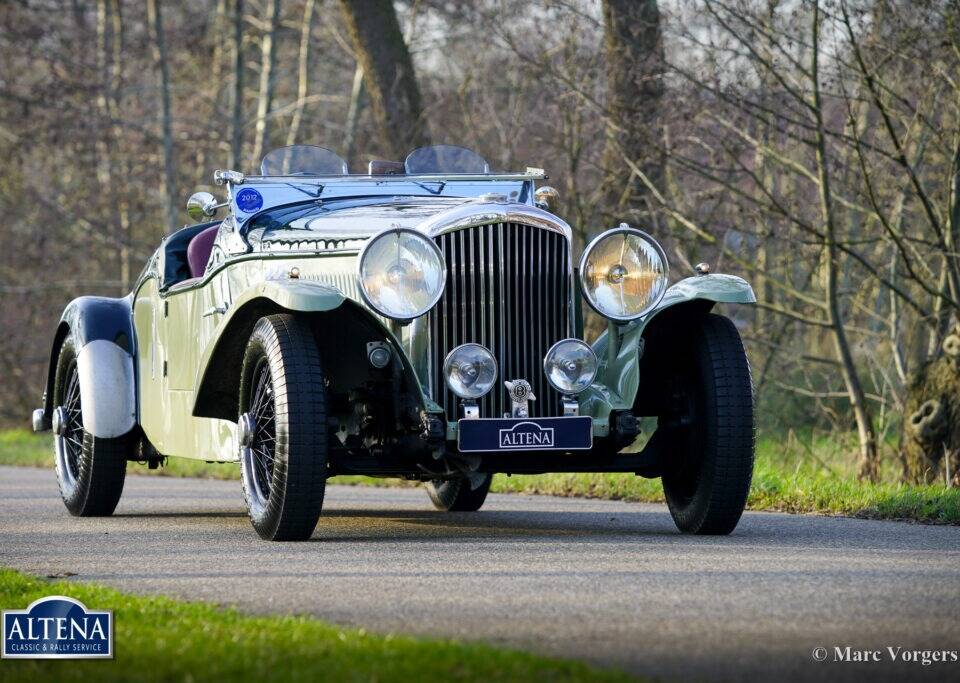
(526, 435)
(57, 627)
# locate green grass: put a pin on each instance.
(813, 473)
(160, 639)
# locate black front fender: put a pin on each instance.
(87, 319)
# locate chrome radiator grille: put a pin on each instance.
(508, 288)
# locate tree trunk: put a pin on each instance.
(114, 100)
(390, 81)
(353, 115)
(218, 28)
(868, 466)
(215, 31)
(268, 57)
(109, 132)
(104, 156)
(303, 75)
(236, 123)
(166, 116)
(930, 443)
(634, 64)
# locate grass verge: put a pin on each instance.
(160, 639)
(809, 474)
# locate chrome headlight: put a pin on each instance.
(570, 366)
(401, 273)
(470, 370)
(623, 273)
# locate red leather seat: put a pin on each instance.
(198, 251)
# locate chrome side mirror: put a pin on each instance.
(202, 205)
(547, 199)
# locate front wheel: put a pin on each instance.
(90, 470)
(283, 429)
(707, 473)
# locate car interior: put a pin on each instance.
(186, 252)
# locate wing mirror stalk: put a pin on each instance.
(203, 205)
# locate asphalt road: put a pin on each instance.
(608, 582)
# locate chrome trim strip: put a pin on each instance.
(464, 278)
(241, 179)
(223, 265)
(472, 214)
(503, 299)
(452, 289)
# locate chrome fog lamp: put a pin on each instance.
(401, 273)
(570, 366)
(470, 371)
(623, 273)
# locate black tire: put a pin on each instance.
(707, 474)
(90, 471)
(284, 469)
(456, 495)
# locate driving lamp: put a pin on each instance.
(623, 273)
(570, 366)
(470, 371)
(401, 273)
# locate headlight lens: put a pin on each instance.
(623, 273)
(401, 273)
(570, 366)
(470, 371)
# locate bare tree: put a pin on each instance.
(268, 58)
(869, 457)
(303, 63)
(236, 118)
(634, 62)
(390, 80)
(155, 16)
(120, 200)
(353, 114)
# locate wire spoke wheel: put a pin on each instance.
(90, 469)
(282, 429)
(70, 446)
(262, 449)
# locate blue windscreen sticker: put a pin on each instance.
(249, 200)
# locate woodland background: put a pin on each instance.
(810, 147)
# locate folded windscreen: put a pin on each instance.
(445, 159)
(303, 160)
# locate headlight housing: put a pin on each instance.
(470, 370)
(401, 273)
(570, 366)
(623, 273)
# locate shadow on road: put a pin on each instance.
(386, 524)
(213, 514)
(415, 525)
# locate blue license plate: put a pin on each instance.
(525, 434)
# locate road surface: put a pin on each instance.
(612, 583)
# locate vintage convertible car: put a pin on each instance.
(421, 321)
